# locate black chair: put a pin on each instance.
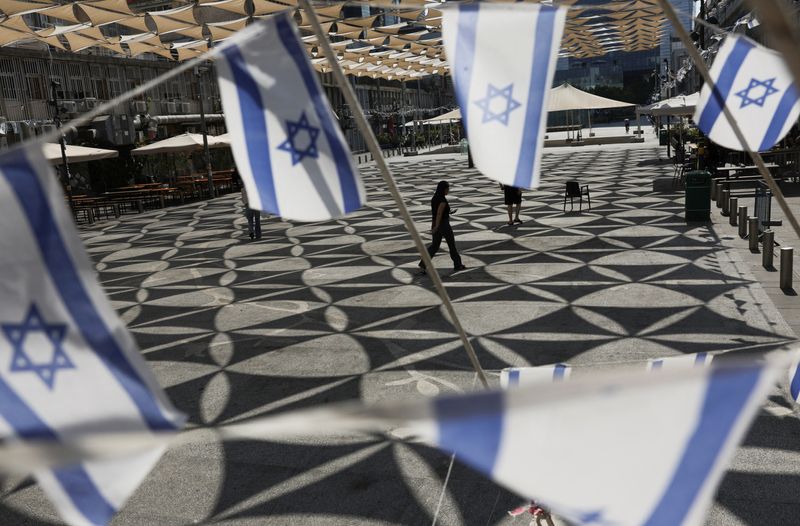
(574, 190)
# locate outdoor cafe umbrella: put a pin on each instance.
(76, 154)
(185, 142)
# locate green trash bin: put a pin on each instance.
(698, 196)
(662, 137)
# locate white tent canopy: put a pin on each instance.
(76, 154)
(680, 105)
(568, 97)
(562, 98)
(185, 142)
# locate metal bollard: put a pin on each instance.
(742, 221)
(714, 190)
(726, 195)
(733, 206)
(769, 246)
(752, 233)
(787, 254)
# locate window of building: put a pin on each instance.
(115, 82)
(8, 84)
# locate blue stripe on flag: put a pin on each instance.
(537, 89)
(513, 377)
(471, 427)
(558, 372)
(465, 55)
(344, 167)
(254, 127)
(23, 180)
(794, 388)
(76, 482)
(727, 394)
(656, 364)
(773, 134)
(700, 359)
(724, 82)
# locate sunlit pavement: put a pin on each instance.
(317, 313)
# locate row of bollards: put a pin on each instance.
(748, 228)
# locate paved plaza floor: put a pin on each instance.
(324, 312)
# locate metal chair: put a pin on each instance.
(574, 190)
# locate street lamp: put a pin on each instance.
(207, 154)
(65, 176)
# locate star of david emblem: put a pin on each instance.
(485, 104)
(763, 89)
(300, 145)
(19, 335)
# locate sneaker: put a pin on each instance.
(518, 220)
(252, 235)
(460, 267)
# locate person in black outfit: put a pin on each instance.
(440, 212)
(513, 197)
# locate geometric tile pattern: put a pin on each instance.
(320, 312)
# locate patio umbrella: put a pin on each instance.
(185, 142)
(76, 154)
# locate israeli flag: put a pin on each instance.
(623, 447)
(700, 359)
(68, 366)
(758, 89)
(502, 58)
(522, 376)
(286, 142)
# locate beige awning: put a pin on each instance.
(680, 105)
(185, 142)
(76, 154)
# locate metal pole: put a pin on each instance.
(742, 221)
(769, 247)
(787, 256)
(206, 152)
(726, 194)
(380, 162)
(752, 233)
(755, 156)
(733, 207)
(403, 115)
(65, 175)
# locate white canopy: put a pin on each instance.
(680, 105)
(185, 142)
(76, 154)
(568, 97)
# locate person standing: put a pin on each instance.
(253, 216)
(627, 125)
(440, 228)
(512, 199)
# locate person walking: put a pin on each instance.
(627, 125)
(512, 199)
(253, 216)
(440, 228)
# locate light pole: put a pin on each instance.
(206, 152)
(669, 93)
(65, 176)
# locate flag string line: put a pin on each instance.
(758, 161)
(350, 419)
(383, 168)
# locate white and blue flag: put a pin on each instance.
(290, 152)
(68, 366)
(758, 89)
(794, 381)
(701, 359)
(522, 376)
(623, 447)
(502, 58)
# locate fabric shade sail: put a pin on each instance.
(680, 105)
(568, 97)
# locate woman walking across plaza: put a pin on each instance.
(512, 198)
(253, 216)
(440, 212)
